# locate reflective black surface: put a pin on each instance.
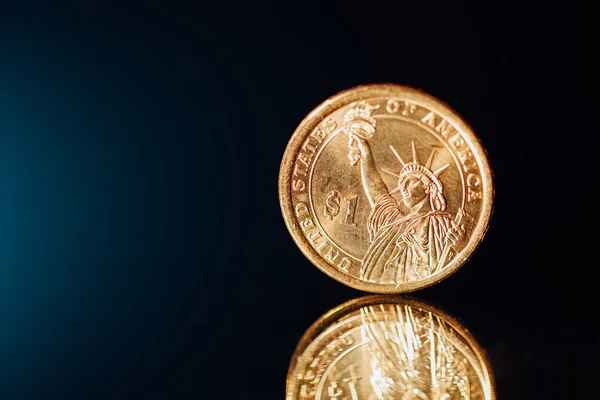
(143, 252)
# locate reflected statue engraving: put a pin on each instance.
(404, 245)
(400, 342)
(384, 348)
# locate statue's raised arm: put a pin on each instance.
(371, 179)
(360, 126)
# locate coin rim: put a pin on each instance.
(325, 321)
(364, 92)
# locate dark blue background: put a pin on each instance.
(142, 250)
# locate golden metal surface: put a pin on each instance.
(385, 189)
(388, 348)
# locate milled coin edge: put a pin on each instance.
(315, 117)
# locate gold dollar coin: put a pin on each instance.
(382, 347)
(386, 188)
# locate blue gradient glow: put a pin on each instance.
(107, 225)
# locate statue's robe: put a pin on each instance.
(403, 248)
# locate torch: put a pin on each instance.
(359, 122)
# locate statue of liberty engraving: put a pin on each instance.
(404, 245)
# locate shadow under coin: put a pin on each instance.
(388, 347)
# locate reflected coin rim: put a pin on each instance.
(335, 314)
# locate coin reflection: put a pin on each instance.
(388, 347)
